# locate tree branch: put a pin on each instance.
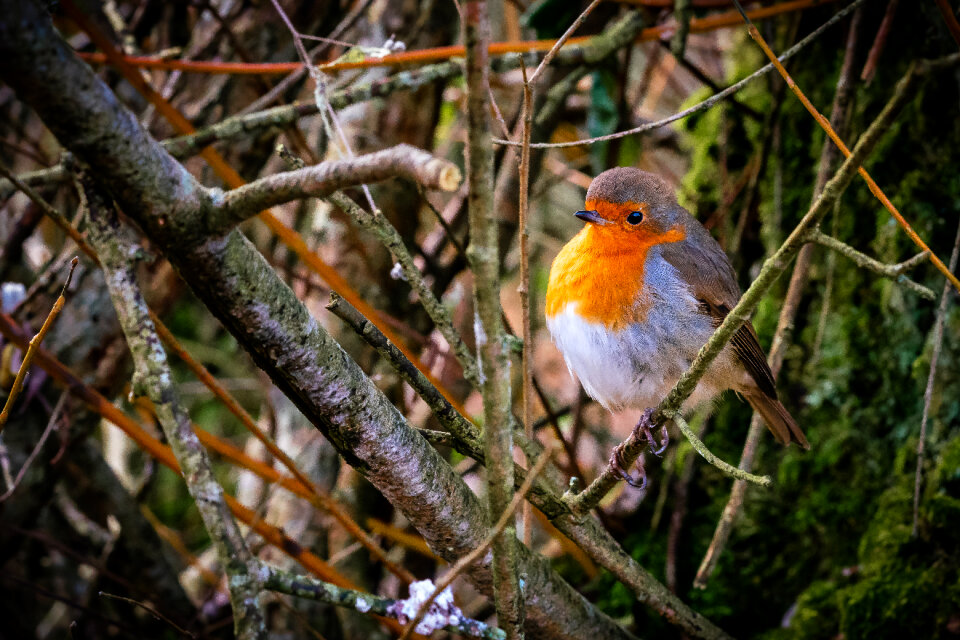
(311, 588)
(494, 357)
(320, 180)
(893, 272)
(152, 378)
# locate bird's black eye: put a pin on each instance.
(635, 217)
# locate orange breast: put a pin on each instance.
(603, 278)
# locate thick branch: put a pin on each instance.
(320, 180)
(153, 378)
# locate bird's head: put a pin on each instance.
(629, 207)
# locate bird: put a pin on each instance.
(638, 291)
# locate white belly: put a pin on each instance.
(637, 366)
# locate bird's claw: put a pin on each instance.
(616, 464)
(644, 432)
(645, 428)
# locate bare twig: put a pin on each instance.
(526, 329)
(32, 348)
(474, 555)
(729, 469)
(378, 224)
(54, 417)
(950, 18)
(928, 392)
(152, 611)
(892, 271)
(547, 59)
(706, 104)
(879, 41)
(323, 179)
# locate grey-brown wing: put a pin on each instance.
(706, 268)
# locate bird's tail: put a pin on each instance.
(778, 419)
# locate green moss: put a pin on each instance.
(903, 585)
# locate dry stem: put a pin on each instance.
(32, 348)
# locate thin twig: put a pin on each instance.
(706, 104)
(825, 125)
(152, 611)
(950, 18)
(547, 59)
(474, 555)
(928, 392)
(526, 329)
(32, 347)
(892, 271)
(879, 41)
(709, 456)
(388, 235)
(54, 417)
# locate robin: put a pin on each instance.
(636, 293)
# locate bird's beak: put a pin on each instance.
(590, 216)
